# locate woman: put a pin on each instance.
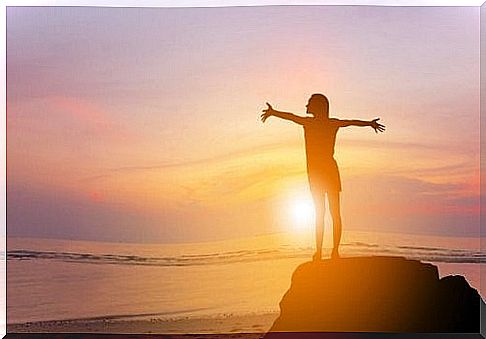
(322, 170)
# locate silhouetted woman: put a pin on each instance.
(322, 170)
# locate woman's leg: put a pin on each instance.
(335, 207)
(320, 208)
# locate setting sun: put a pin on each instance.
(302, 214)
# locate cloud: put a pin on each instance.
(290, 145)
(66, 119)
(244, 153)
(257, 172)
(400, 203)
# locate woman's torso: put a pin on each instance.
(320, 139)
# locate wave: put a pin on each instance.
(431, 254)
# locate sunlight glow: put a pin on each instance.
(302, 214)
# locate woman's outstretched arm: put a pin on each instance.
(269, 111)
(373, 123)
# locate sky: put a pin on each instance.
(142, 124)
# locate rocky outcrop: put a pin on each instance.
(377, 294)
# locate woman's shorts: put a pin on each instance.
(324, 177)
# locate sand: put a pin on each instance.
(256, 324)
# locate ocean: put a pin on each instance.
(51, 280)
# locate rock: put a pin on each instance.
(377, 294)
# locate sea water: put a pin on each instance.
(61, 279)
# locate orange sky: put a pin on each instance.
(142, 124)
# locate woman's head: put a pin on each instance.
(318, 105)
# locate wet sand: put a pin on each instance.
(248, 324)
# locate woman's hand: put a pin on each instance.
(377, 126)
(267, 112)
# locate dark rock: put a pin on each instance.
(377, 294)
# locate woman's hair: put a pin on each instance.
(322, 99)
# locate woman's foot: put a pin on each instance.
(317, 256)
(335, 254)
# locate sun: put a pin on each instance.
(302, 214)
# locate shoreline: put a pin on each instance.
(253, 323)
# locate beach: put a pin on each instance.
(257, 324)
(230, 286)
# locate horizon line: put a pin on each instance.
(478, 237)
